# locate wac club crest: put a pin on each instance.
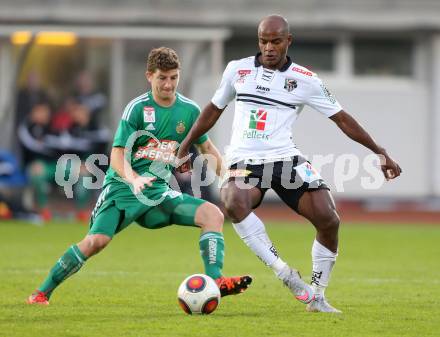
(290, 84)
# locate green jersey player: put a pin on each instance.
(136, 185)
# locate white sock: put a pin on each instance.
(252, 231)
(323, 261)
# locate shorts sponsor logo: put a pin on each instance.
(302, 71)
(310, 170)
(290, 84)
(307, 173)
(238, 173)
(149, 114)
(163, 150)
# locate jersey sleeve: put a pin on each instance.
(128, 125)
(226, 91)
(321, 99)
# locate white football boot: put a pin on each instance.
(301, 290)
(319, 304)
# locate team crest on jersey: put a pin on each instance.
(180, 128)
(149, 114)
(290, 84)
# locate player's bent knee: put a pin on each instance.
(329, 221)
(93, 244)
(236, 204)
(334, 220)
(100, 241)
(209, 217)
(236, 209)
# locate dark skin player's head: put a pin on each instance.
(274, 40)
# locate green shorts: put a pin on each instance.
(117, 207)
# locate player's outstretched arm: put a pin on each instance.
(204, 123)
(208, 148)
(123, 168)
(356, 132)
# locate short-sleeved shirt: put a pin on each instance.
(153, 133)
(267, 104)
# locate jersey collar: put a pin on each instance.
(282, 69)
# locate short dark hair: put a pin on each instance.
(162, 58)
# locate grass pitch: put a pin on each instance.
(386, 281)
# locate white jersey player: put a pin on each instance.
(267, 104)
(270, 91)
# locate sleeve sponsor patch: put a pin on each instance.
(302, 71)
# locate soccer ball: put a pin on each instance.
(198, 294)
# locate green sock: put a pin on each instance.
(212, 250)
(67, 265)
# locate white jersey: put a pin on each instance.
(267, 103)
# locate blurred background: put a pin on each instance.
(68, 68)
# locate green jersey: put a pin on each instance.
(153, 133)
